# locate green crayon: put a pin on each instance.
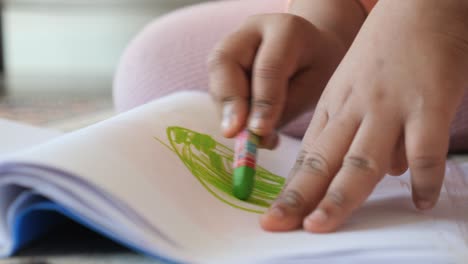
(244, 164)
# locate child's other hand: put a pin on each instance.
(388, 107)
(270, 71)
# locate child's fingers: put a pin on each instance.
(229, 64)
(363, 167)
(271, 220)
(426, 137)
(324, 146)
(304, 92)
(275, 63)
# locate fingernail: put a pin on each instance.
(226, 124)
(424, 204)
(318, 216)
(228, 117)
(276, 212)
(255, 123)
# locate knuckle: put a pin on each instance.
(219, 96)
(216, 94)
(424, 162)
(300, 159)
(264, 103)
(316, 163)
(264, 107)
(228, 100)
(336, 198)
(379, 96)
(217, 58)
(294, 21)
(321, 111)
(423, 106)
(292, 198)
(362, 163)
(341, 121)
(313, 162)
(269, 69)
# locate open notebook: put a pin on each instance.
(157, 179)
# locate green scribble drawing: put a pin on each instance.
(211, 163)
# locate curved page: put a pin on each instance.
(166, 164)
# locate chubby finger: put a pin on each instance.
(274, 218)
(304, 91)
(315, 167)
(275, 63)
(427, 139)
(363, 167)
(229, 64)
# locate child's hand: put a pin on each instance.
(269, 71)
(388, 106)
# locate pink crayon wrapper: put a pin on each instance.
(245, 149)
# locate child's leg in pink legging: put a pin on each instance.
(169, 55)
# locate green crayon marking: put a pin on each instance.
(211, 164)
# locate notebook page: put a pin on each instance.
(158, 159)
(15, 136)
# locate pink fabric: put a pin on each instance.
(169, 55)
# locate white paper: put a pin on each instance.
(15, 136)
(122, 157)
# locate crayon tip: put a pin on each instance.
(243, 182)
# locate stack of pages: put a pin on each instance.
(158, 180)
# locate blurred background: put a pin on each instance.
(57, 60)
(58, 56)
